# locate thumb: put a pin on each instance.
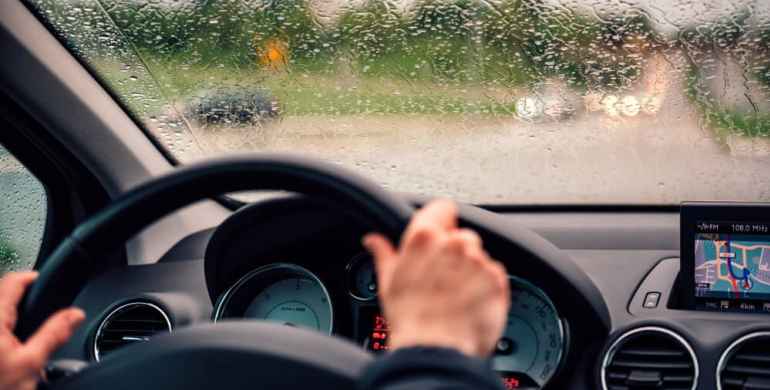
(384, 255)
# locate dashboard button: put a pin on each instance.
(504, 346)
(651, 300)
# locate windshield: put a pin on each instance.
(494, 102)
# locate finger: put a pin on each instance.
(421, 239)
(50, 336)
(469, 237)
(501, 276)
(439, 214)
(475, 276)
(466, 245)
(463, 253)
(469, 244)
(384, 255)
(12, 288)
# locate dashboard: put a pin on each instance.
(315, 275)
(526, 356)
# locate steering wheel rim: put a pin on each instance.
(61, 278)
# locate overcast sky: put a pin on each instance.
(667, 16)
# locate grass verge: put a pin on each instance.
(335, 92)
(722, 120)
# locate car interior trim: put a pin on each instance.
(727, 354)
(625, 335)
(118, 309)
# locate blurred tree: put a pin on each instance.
(374, 35)
(442, 33)
(292, 23)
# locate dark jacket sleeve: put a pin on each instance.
(428, 368)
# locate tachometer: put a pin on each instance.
(284, 293)
(531, 349)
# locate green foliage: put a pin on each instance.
(443, 41)
(150, 26)
(202, 45)
(761, 58)
(8, 257)
(292, 22)
(584, 51)
(372, 31)
(724, 33)
(762, 70)
(513, 42)
(220, 32)
(725, 121)
(749, 125)
(442, 34)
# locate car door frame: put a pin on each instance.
(68, 102)
(72, 192)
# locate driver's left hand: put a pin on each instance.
(21, 364)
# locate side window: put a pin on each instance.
(22, 215)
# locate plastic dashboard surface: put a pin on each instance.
(626, 256)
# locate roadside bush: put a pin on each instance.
(84, 27)
(8, 257)
(762, 57)
(375, 38)
(725, 121)
(613, 57)
(292, 21)
(150, 26)
(505, 31)
(222, 32)
(730, 40)
(584, 51)
(446, 41)
(513, 42)
(441, 34)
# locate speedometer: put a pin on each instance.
(531, 349)
(284, 293)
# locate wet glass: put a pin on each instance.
(23, 209)
(486, 101)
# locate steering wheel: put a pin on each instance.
(246, 353)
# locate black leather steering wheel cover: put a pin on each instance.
(62, 275)
(507, 237)
(229, 355)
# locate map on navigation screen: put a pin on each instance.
(732, 266)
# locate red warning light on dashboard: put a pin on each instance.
(510, 382)
(379, 336)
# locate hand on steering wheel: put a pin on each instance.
(21, 365)
(440, 288)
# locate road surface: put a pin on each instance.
(592, 157)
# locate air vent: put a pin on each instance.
(745, 364)
(129, 323)
(650, 358)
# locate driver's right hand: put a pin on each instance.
(440, 288)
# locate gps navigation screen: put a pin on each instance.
(732, 266)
